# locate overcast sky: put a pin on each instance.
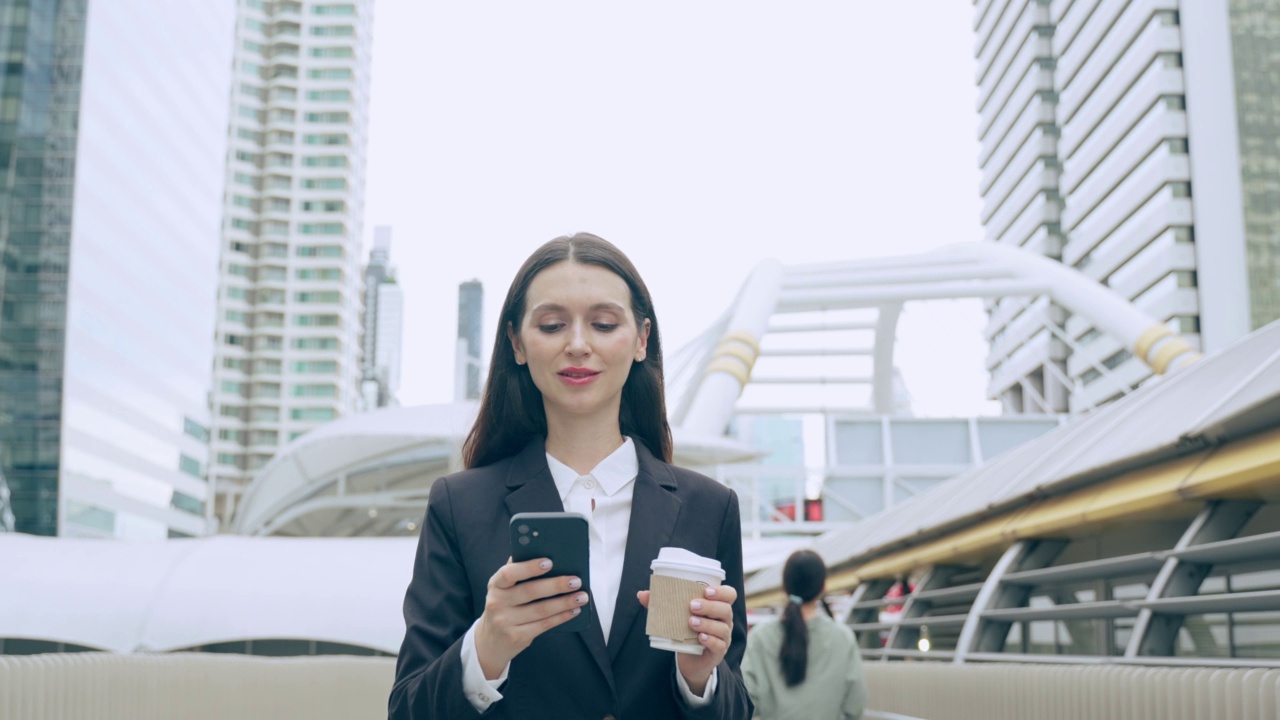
(700, 137)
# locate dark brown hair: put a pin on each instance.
(511, 411)
(803, 577)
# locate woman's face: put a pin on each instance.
(579, 339)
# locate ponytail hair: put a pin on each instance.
(803, 578)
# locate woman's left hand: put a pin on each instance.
(712, 619)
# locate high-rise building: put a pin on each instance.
(288, 323)
(466, 368)
(383, 326)
(1130, 140)
(111, 168)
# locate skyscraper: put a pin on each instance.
(1129, 140)
(111, 166)
(383, 326)
(466, 384)
(288, 324)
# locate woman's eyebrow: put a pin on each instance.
(556, 307)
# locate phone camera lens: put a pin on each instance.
(523, 529)
(535, 533)
(524, 540)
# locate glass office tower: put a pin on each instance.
(110, 201)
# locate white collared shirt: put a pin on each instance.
(611, 485)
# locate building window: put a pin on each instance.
(329, 95)
(329, 117)
(1115, 360)
(326, 391)
(318, 274)
(229, 459)
(235, 316)
(321, 228)
(313, 414)
(331, 161)
(267, 367)
(333, 30)
(323, 206)
(190, 466)
(323, 251)
(327, 139)
(326, 296)
(316, 367)
(332, 52)
(265, 414)
(316, 320)
(330, 74)
(195, 429)
(235, 364)
(334, 9)
(324, 184)
(315, 343)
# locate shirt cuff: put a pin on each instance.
(480, 691)
(708, 692)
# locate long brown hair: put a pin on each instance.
(511, 411)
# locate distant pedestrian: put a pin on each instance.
(805, 666)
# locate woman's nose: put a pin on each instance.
(577, 340)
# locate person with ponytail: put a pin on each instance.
(805, 666)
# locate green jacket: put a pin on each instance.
(834, 686)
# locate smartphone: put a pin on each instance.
(562, 537)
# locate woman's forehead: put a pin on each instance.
(577, 286)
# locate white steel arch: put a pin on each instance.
(725, 359)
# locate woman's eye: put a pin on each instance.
(605, 327)
(550, 328)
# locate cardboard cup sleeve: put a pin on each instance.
(669, 600)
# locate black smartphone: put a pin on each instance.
(562, 537)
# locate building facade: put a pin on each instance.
(1114, 140)
(466, 365)
(110, 200)
(383, 326)
(287, 352)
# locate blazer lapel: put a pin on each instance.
(654, 509)
(534, 490)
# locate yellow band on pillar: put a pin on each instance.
(732, 367)
(737, 351)
(1170, 350)
(743, 337)
(1148, 339)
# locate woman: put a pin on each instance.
(806, 666)
(573, 417)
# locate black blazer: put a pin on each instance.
(561, 675)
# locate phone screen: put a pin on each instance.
(562, 537)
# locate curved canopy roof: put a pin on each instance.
(371, 473)
(163, 596)
(1224, 396)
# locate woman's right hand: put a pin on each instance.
(516, 612)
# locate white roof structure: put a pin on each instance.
(370, 474)
(1227, 395)
(163, 596)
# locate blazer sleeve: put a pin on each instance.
(730, 701)
(437, 613)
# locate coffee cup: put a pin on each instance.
(678, 578)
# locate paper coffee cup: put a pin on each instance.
(678, 578)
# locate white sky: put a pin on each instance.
(700, 137)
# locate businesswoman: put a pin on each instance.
(804, 666)
(573, 418)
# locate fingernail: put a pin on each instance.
(711, 592)
(545, 564)
(577, 611)
(696, 604)
(702, 637)
(581, 598)
(696, 622)
(575, 583)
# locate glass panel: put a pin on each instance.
(859, 443)
(998, 437)
(930, 443)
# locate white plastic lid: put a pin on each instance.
(679, 558)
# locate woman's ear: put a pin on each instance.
(642, 342)
(515, 344)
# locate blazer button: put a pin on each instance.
(608, 717)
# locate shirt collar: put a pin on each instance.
(613, 473)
